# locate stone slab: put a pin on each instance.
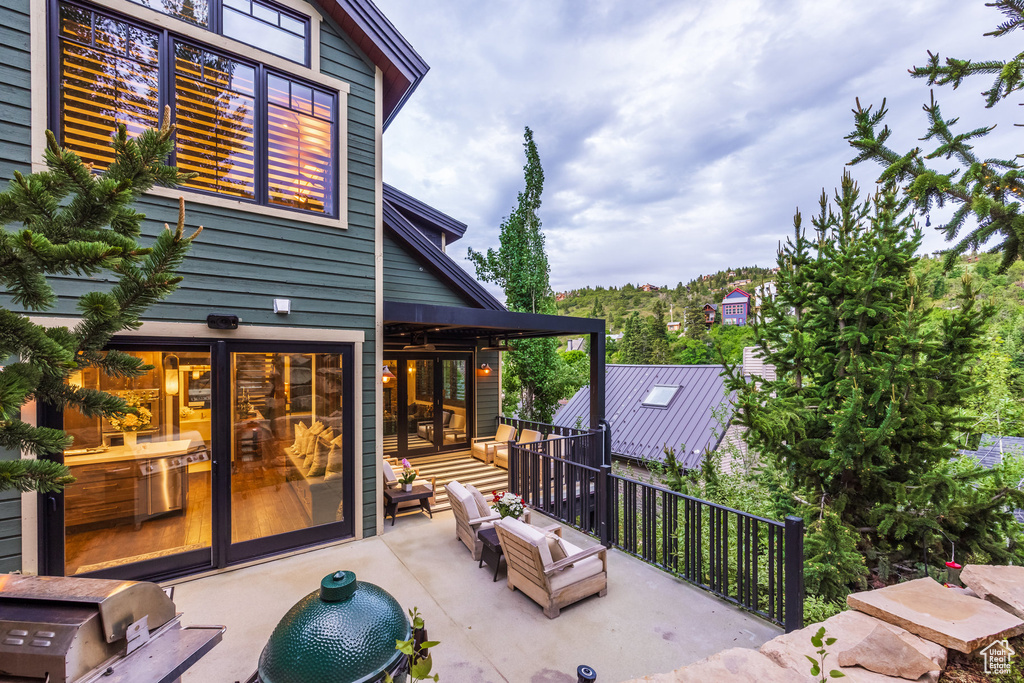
(926, 608)
(1002, 586)
(848, 628)
(883, 654)
(736, 665)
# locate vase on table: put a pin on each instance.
(129, 439)
(408, 488)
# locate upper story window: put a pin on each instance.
(260, 23)
(194, 11)
(267, 27)
(247, 132)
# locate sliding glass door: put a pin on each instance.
(234, 450)
(427, 403)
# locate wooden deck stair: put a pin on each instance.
(466, 470)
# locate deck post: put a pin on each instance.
(794, 571)
(597, 377)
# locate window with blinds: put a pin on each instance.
(245, 132)
(109, 75)
(300, 146)
(214, 102)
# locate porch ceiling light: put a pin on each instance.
(387, 375)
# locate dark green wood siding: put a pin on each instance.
(488, 394)
(15, 155)
(410, 280)
(243, 260)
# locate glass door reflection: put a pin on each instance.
(453, 402)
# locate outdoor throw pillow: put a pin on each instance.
(481, 502)
(555, 547)
(389, 472)
(317, 445)
(318, 467)
(334, 462)
(300, 434)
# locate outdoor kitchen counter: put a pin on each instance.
(144, 451)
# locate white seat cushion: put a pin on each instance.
(389, 472)
(577, 572)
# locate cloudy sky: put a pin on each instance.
(677, 138)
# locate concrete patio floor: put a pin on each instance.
(648, 623)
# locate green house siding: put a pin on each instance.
(10, 524)
(409, 280)
(242, 260)
(488, 394)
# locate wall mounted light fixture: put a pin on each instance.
(171, 374)
(387, 375)
(484, 370)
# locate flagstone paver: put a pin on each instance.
(949, 618)
(1002, 586)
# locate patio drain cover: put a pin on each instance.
(343, 633)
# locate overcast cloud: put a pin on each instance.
(677, 138)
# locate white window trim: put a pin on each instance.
(41, 90)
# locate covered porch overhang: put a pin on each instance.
(459, 327)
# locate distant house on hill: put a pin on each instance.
(651, 406)
(649, 288)
(575, 344)
(710, 311)
(674, 326)
(735, 307)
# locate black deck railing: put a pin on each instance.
(586, 448)
(751, 561)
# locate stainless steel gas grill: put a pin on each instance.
(72, 630)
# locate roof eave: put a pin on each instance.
(451, 227)
(439, 262)
(377, 37)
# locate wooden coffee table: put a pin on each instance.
(392, 497)
(491, 552)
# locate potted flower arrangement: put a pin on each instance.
(408, 475)
(132, 422)
(508, 505)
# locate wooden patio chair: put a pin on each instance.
(483, 446)
(500, 451)
(552, 572)
(470, 517)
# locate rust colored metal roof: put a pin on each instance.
(641, 432)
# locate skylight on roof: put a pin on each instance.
(661, 395)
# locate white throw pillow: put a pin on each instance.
(389, 472)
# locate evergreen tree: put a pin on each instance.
(76, 222)
(987, 189)
(631, 346)
(695, 326)
(657, 336)
(530, 377)
(867, 401)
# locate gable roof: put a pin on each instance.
(736, 295)
(377, 37)
(712, 306)
(418, 212)
(640, 431)
(439, 262)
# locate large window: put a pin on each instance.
(299, 151)
(214, 99)
(245, 132)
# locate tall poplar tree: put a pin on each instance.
(530, 378)
(72, 221)
(864, 412)
(990, 190)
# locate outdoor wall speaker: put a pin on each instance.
(222, 322)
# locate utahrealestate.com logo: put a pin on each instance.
(997, 657)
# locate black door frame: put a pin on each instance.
(221, 552)
(402, 358)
